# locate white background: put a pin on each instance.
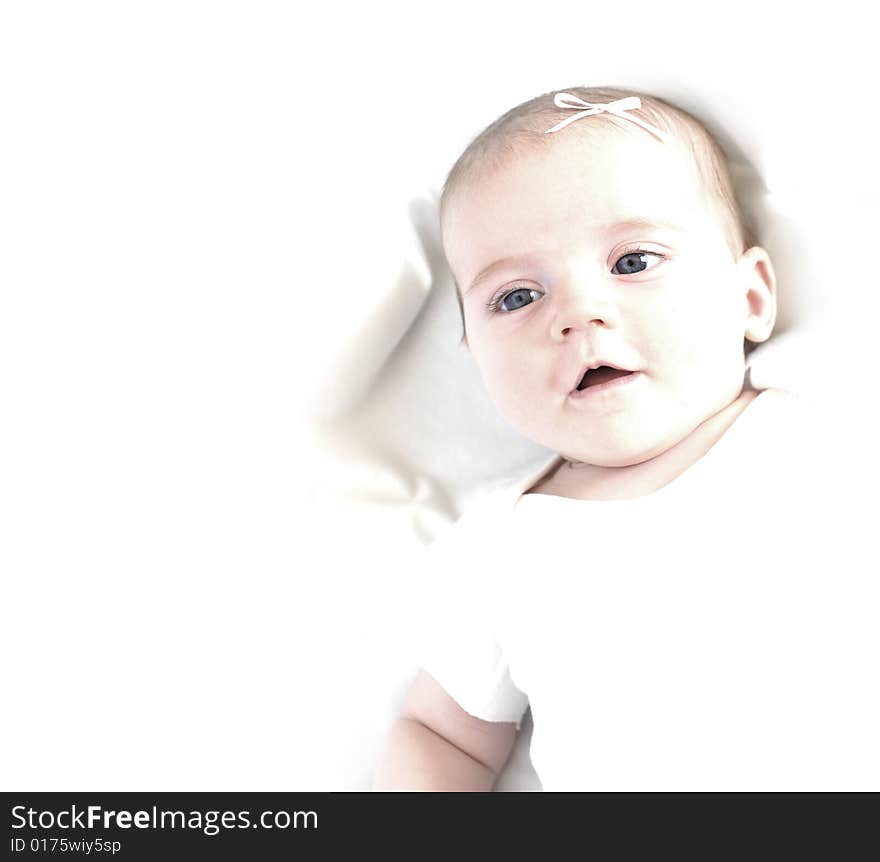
(196, 199)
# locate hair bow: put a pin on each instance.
(619, 108)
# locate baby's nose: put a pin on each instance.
(583, 306)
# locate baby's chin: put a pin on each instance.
(618, 446)
(621, 447)
(619, 458)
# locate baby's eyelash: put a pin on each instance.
(494, 304)
(636, 250)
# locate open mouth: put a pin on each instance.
(602, 374)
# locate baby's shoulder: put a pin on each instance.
(779, 411)
(795, 437)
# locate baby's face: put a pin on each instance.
(581, 287)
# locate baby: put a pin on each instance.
(633, 591)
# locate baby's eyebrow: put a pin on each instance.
(496, 265)
(642, 224)
(605, 233)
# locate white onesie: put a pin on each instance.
(717, 634)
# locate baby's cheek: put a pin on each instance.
(512, 386)
(510, 383)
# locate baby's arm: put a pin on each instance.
(436, 745)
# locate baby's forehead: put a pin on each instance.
(625, 162)
(571, 197)
(593, 183)
(623, 158)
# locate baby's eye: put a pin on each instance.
(633, 262)
(515, 299)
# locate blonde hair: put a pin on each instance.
(525, 126)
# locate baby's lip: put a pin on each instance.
(598, 363)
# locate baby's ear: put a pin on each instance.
(758, 282)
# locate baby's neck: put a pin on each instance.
(592, 482)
